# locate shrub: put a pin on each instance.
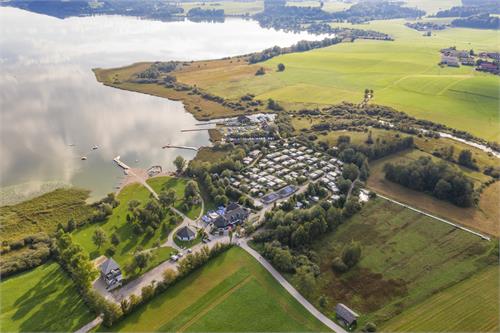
(339, 266)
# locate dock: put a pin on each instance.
(195, 130)
(120, 163)
(180, 147)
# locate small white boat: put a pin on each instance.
(95, 147)
(83, 158)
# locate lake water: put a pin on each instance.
(49, 98)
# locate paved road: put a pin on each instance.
(435, 217)
(305, 303)
(90, 326)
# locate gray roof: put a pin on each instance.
(185, 232)
(109, 265)
(345, 313)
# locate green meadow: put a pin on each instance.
(232, 293)
(42, 300)
(129, 240)
(406, 258)
(404, 74)
(469, 306)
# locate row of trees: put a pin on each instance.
(437, 179)
(76, 261)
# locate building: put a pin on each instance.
(186, 234)
(346, 316)
(233, 215)
(111, 274)
(450, 61)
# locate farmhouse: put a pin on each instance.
(450, 61)
(186, 234)
(111, 274)
(346, 315)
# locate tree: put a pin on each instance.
(71, 225)
(273, 105)
(323, 301)
(191, 190)
(99, 237)
(133, 204)
(281, 67)
(115, 240)
(465, 159)
(179, 163)
(339, 266)
(351, 254)
(141, 260)
(260, 71)
(283, 260)
(169, 276)
(350, 171)
(305, 280)
(167, 198)
(442, 189)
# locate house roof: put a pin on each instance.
(109, 265)
(347, 314)
(185, 232)
(220, 222)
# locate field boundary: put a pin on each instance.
(436, 217)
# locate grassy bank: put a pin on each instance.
(42, 300)
(232, 293)
(43, 213)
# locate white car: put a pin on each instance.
(189, 251)
(174, 257)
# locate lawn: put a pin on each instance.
(178, 185)
(229, 294)
(116, 223)
(483, 218)
(403, 74)
(42, 300)
(469, 306)
(406, 258)
(43, 213)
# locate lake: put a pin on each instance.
(53, 111)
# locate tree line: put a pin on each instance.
(437, 179)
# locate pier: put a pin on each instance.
(180, 147)
(195, 130)
(120, 163)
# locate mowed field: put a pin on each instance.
(403, 74)
(484, 218)
(232, 293)
(42, 300)
(406, 258)
(456, 309)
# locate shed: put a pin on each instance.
(346, 315)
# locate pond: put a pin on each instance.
(53, 111)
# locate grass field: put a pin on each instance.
(406, 258)
(230, 7)
(469, 306)
(116, 223)
(483, 218)
(403, 74)
(43, 213)
(42, 300)
(232, 293)
(178, 185)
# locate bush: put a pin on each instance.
(260, 71)
(339, 266)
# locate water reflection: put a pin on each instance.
(49, 98)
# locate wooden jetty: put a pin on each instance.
(120, 163)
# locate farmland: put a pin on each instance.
(482, 218)
(469, 306)
(43, 213)
(129, 240)
(404, 74)
(43, 299)
(406, 258)
(227, 294)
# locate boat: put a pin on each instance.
(95, 147)
(83, 158)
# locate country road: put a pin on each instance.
(291, 290)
